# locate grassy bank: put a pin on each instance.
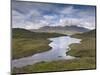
(26, 43)
(23, 47)
(85, 52)
(86, 48)
(64, 65)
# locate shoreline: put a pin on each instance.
(85, 51)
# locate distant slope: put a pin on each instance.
(23, 33)
(60, 29)
(27, 43)
(87, 47)
(90, 34)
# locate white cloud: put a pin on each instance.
(17, 19)
(32, 16)
(75, 21)
(86, 24)
(24, 21)
(69, 21)
(48, 17)
(32, 26)
(68, 10)
(33, 13)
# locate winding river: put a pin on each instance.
(60, 45)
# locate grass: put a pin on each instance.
(26, 43)
(87, 47)
(85, 52)
(23, 47)
(64, 65)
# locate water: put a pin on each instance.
(60, 45)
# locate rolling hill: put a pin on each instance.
(23, 33)
(87, 47)
(89, 34)
(85, 52)
(26, 43)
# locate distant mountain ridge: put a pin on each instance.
(60, 29)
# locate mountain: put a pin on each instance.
(60, 29)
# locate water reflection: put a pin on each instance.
(60, 45)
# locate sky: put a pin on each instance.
(32, 15)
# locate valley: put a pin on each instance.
(84, 52)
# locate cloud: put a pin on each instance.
(32, 26)
(78, 22)
(48, 17)
(28, 20)
(17, 19)
(68, 10)
(35, 15)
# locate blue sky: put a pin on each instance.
(31, 15)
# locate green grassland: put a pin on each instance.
(84, 53)
(25, 47)
(26, 43)
(64, 65)
(87, 48)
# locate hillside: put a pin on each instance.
(85, 52)
(23, 33)
(90, 34)
(27, 43)
(59, 29)
(87, 46)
